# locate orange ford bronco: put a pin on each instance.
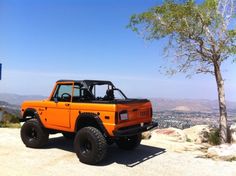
(92, 113)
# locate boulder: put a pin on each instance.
(146, 135)
(233, 133)
(223, 152)
(172, 134)
(198, 134)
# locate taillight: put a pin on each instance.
(123, 115)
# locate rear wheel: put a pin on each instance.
(129, 142)
(90, 145)
(33, 135)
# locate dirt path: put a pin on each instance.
(58, 159)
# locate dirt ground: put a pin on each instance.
(58, 159)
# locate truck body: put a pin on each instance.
(74, 105)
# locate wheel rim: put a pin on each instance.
(86, 147)
(31, 134)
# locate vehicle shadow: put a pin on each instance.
(60, 143)
(131, 158)
(114, 155)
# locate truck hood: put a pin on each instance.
(32, 102)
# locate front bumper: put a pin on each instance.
(133, 130)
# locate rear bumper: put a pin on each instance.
(133, 130)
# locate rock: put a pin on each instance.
(146, 135)
(223, 151)
(173, 134)
(233, 133)
(198, 134)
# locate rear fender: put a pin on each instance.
(90, 119)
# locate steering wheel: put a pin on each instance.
(66, 96)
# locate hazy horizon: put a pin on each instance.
(167, 98)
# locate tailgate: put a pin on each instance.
(134, 112)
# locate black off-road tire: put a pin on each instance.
(68, 135)
(33, 135)
(129, 142)
(90, 145)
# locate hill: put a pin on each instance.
(189, 105)
(16, 99)
(159, 104)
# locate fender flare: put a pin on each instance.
(32, 113)
(90, 119)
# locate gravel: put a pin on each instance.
(59, 159)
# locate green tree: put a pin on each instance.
(202, 36)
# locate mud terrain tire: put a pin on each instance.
(90, 145)
(33, 135)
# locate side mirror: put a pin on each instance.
(55, 99)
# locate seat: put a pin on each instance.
(109, 95)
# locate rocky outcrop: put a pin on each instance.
(223, 152)
(198, 134)
(172, 134)
(233, 133)
(146, 135)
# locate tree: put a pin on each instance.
(201, 36)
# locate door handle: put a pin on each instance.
(67, 104)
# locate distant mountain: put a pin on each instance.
(189, 105)
(159, 104)
(15, 99)
(3, 103)
(9, 108)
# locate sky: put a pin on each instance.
(42, 41)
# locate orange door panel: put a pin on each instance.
(58, 114)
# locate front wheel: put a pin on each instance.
(33, 135)
(129, 142)
(90, 145)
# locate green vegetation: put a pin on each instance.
(189, 140)
(232, 159)
(214, 137)
(9, 121)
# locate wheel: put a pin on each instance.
(33, 135)
(129, 142)
(68, 135)
(90, 145)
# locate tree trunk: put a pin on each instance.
(222, 104)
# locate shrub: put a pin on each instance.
(214, 137)
(9, 120)
(189, 140)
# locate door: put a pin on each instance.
(58, 109)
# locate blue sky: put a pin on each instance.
(43, 41)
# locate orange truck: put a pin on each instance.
(93, 113)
